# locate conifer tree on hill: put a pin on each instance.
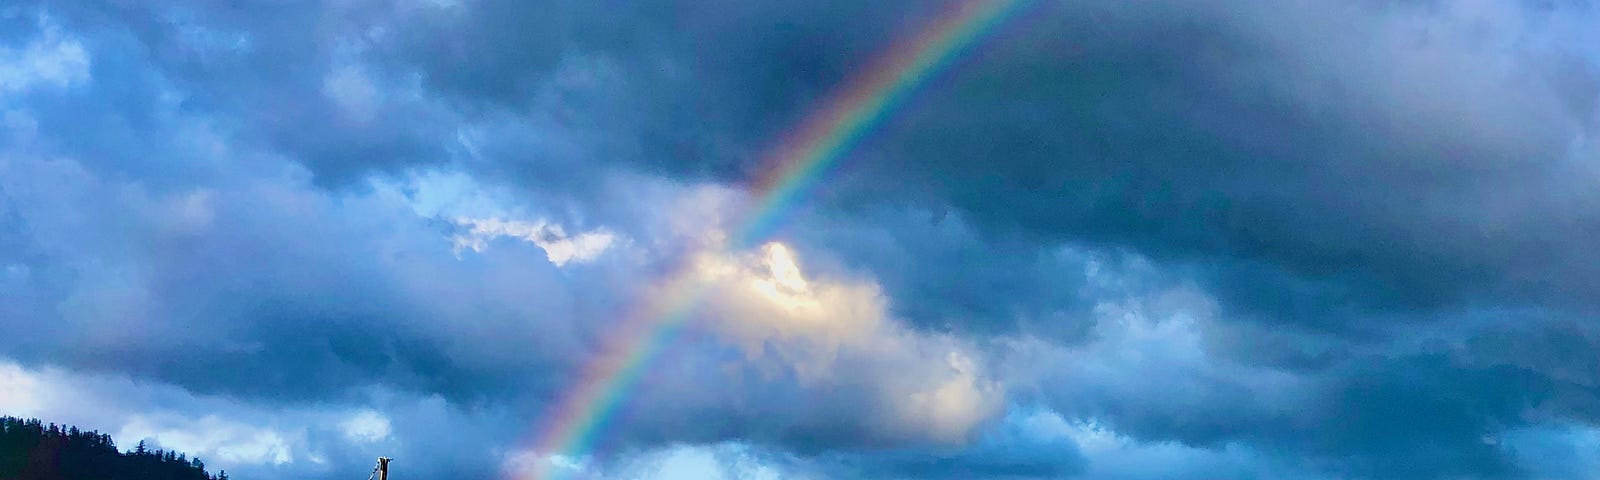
(30, 450)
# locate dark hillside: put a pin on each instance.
(32, 450)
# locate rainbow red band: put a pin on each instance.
(799, 163)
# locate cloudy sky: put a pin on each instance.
(1141, 240)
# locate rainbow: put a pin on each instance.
(814, 148)
(820, 141)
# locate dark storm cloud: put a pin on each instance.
(685, 88)
(266, 72)
(1338, 159)
(947, 274)
(1453, 400)
(1340, 167)
(219, 268)
(243, 289)
(1408, 417)
(1336, 162)
(1339, 177)
(173, 248)
(1350, 167)
(267, 68)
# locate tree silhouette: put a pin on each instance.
(29, 450)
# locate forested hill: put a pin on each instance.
(32, 450)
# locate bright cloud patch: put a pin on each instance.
(831, 332)
(366, 426)
(20, 392)
(51, 59)
(212, 436)
(353, 91)
(527, 463)
(557, 244)
(132, 412)
(1098, 239)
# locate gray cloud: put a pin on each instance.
(1352, 238)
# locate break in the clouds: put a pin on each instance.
(1108, 240)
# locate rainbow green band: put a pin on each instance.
(798, 165)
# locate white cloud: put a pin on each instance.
(1158, 341)
(720, 461)
(829, 332)
(240, 438)
(560, 247)
(133, 411)
(351, 88)
(1111, 454)
(189, 213)
(52, 59)
(211, 436)
(20, 391)
(530, 464)
(366, 426)
(726, 461)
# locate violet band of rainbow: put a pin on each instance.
(799, 163)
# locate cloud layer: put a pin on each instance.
(1153, 240)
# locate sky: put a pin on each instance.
(1125, 240)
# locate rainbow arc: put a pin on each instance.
(799, 163)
